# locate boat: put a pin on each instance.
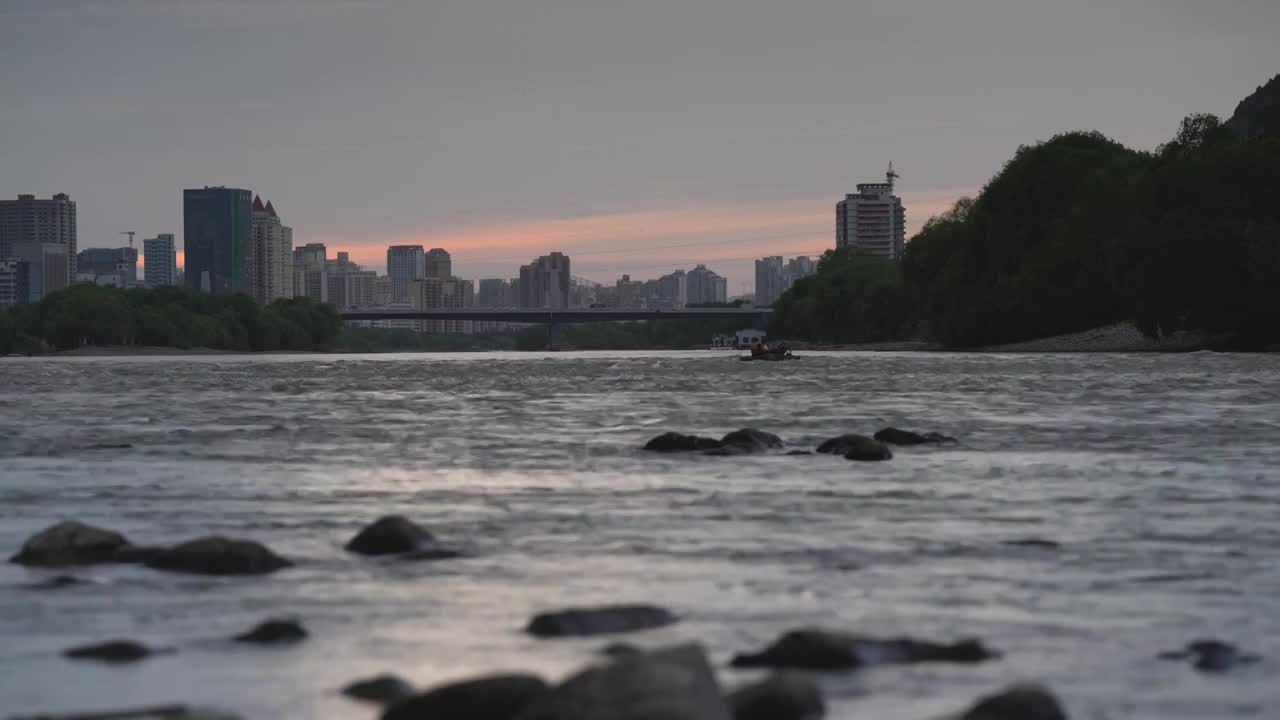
(771, 354)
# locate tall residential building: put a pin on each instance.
(383, 292)
(160, 261)
(496, 292)
(271, 268)
(405, 263)
(15, 278)
(545, 282)
(769, 281)
(46, 268)
(338, 286)
(873, 220)
(28, 220)
(216, 223)
(117, 267)
(438, 264)
(706, 287)
(310, 254)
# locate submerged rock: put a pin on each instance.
(494, 697)
(274, 632)
(1212, 656)
(750, 440)
(156, 712)
(856, 447)
(389, 535)
(70, 542)
(894, 436)
(818, 649)
(112, 651)
(1035, 542)
(1020, 702)
(57, 582)
(383, 689)
(674, 683)
(609, 619)
(217, 555)
(679, 442)
(785, 696)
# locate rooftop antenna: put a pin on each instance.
(891, 175)
(130, 233)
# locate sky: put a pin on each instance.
(637, 137)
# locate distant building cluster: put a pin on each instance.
(774, 277)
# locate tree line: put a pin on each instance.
(1075, 233)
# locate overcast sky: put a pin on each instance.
(635, 136)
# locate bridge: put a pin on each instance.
(553, 319)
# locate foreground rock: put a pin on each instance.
(894, 436)
(750, 440)
(856, 447)
(1021, 702)
(1212, 656)
(157, 712)
(70, 542)
(217, 555)
(610, 619)
(390, 535)
(674, 683)
(383, 689)
(113, 651)
(679, 442)
(818, 649)
(785, 696)
(274, 632)
(496, 697)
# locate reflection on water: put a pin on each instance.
(1156, 477)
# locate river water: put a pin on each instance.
(1158, 476)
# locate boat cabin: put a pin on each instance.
(745, 338)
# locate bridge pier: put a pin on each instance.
(553, 336)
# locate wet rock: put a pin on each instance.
(1020, 702)
(495, 697)
(785, 696)
(679, 442)
(856, 447)
(894, 436)
(109, 446)
(581, 622)
(1212, 656)
(112, 651)
(389, 535)
(750, 440)
(57, 582)
(619, 649)
(674, 683)
(818, 649)
(274, 632)
(1034, 543)
(383, 689)
(217, 555)
(70, 543)
(799, 452)
(157, 712)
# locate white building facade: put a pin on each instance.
(872, 221)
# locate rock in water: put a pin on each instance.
(818, 649)
(70, 543)
(156, 712)
(274, 632)
(1212, 656)
(679, 442)
(113, 651)
(786, 696)
(894, 436)
(389, 535)
(495, 697)
(856, 447)
(674, 683)
(581, 622)
(216, 555)
(750, 440)
(383, 689)
(1021, 702)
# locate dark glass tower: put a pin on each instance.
(215, 224)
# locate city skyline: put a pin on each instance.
(384, 122)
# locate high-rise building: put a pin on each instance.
(338, 269)
(28, 220)
(405, 263)
(438, 264)
(310, 279)
(271, 271)
(160, 261)
(706, 287)
(46, 267)
(15, 278)
(496, 292)
(360, 288)
(769, 281)
(544, 283)
(383, 292)
(310, 254)
(218, 254)
(117, 267)
(872, 221)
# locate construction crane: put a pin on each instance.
(130, 233)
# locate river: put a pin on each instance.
(1157, 476)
